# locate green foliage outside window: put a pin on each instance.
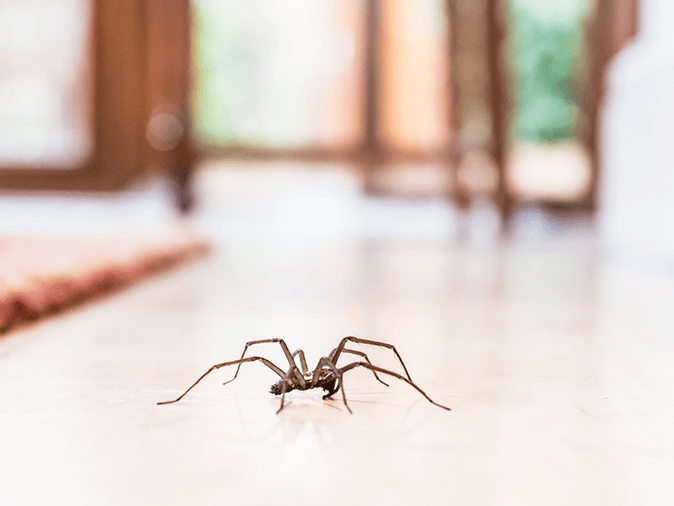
(546, 51)
(224, 67)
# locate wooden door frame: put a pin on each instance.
(119, 55)
(614, 24)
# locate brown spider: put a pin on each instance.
(326, 375)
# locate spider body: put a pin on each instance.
(326, 375)
(327, 381)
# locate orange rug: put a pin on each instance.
(42, 276)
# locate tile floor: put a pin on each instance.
(555, 360)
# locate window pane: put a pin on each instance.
(414, 82)
(547, 57)
(278, 73)
(45, 83)
(546, 53)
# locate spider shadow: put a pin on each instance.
(306, 414)
(330, 424)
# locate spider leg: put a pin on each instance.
(340, 349)
(303, 361)
(395, 375)
(327, 362)
(266, 362)
(361, 354)
(286, 352)
(284, 389)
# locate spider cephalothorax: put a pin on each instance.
(326, 375)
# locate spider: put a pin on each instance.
(326, 375)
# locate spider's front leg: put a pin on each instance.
(266, 362)
(289, 356)
(286, 385)
(303, 360)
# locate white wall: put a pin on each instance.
(637, 181)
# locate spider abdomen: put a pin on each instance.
(327, 384)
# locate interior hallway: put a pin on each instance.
(554, 356)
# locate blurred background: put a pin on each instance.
(496, 105)
(345, 118)
(361, 117)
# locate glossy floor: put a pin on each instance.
(555, 361)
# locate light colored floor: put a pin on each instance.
(556, 363)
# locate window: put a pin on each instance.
(45, 83)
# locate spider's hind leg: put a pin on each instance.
(364, 356)
(334, 356)
(367, 365)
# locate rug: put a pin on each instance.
(40, 276)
